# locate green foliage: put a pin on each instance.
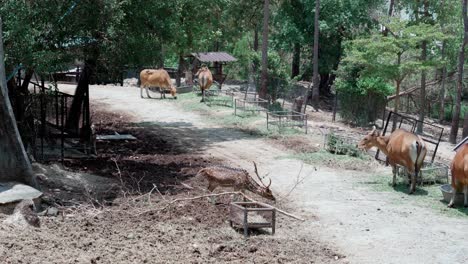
(338, 145)
(361, 98)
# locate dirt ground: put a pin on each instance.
(345, 221)
(109, 209)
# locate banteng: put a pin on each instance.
(460, 175)
(401, 148)
(205, 80)
(156, 78)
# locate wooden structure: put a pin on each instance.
(214, 61)
(252, 215)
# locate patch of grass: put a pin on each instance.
(331, 160)
(223, 115)
(427, 196)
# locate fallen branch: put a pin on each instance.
(219, 194)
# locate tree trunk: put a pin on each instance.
(465, 126)
(461, 60)
(180, 69)
(422, 110)
(296, 60)
(396, 109)
(316, 78)
(14, 162)
(81, 92)
(390, 14)
(442, 88)
(264, 78)
(256, 41)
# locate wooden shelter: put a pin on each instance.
(214, 61)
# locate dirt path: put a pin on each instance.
(365, 226)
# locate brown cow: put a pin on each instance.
(460, 175)
(156, 78)
(205, 80)
(400, 147)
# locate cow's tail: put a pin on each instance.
(419, 147)
(203, 81)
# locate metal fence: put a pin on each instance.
(284, 119)
(250, 106)
(52, 139)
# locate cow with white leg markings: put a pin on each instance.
(401, 148)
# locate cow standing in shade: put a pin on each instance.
(205, 80)
(156, 78)
(401, 148)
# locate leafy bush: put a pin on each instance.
(361, 98)
(338, 146)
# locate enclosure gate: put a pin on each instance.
(50, 109)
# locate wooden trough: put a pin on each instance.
(252, 215)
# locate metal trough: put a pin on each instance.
(447, 190)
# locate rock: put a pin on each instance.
(52, 211)
(195, 249)
(23, 215)
(253, 249)
(336, 257)
(131, 236)
(220, 248)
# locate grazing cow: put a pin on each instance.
(400, 147)
(156, 78)
(460, 175)
(205, 80)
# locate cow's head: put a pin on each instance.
(369, 140)
(173, 91)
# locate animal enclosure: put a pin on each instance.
(252, 215)
(219, 97)
(432, 136)
(54, 136)
(250, 104)
(285, 119)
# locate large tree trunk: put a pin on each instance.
(79, 99)
(296, 60)
(442, 88)
(422, 109)
(391, 7)
(264, 77)
(316, 78)
(461, 60)
(14, 162)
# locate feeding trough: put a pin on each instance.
(447, 193)
(252, 215)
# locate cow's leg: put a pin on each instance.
(147, 92)
(141, 91)
(394, 171)
(454, 193)
(203, 96)
(413, 182)
(465, 195)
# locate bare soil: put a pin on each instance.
(122, 224)
(345, 219)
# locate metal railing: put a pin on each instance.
(284, 119)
